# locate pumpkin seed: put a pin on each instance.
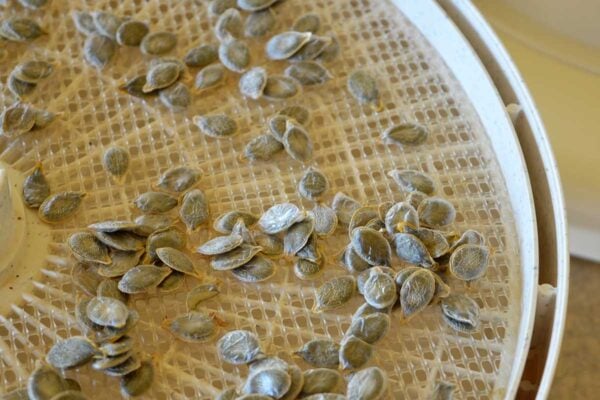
(142, 278)
(366, 310)
(379, 290)
(417, 292)
(229, 25)
(229, 394)
(216, 126)
(220, 245)
(407, 134)
(225, 222)
(176, 97)
(277, 126)
(259, 23)
(201, 56)
(404, 273)
(297, 143)
(84, 22)
(218, 7)
(411, 180)
(158, 43)
(240, 229)
(286, 44)
(310, 251)
(297, 381)
(19, 88)
(110, 288)
(239, 347)
(209, 76)
(121, 262)
(370, 328)
(194, 326)
(321, 380)
(109, 362)
(368, 384)
(400, 218)
(179, 179)
(307, 23)
(262, 147)
(371, 246)
(298, 113)
(199, 294)
(415, 198)
(330, 52)
(106, 24)
(267, 363)
(320, 353)
(469, 262)
(43, 118)
(255, 5)
(352, 262)
(335, 293)
(442, 290)
(234, 258)
(271, 382)
(44, 383)
(469, 236)
(176, 260)
(60, 206)
(194, 210)
(297, 236)
(253, 82)
(121, 346)
(325, 396)
(411, 250)
(258, 269)
(435, 241)
(103, 333)
(363, 87)
(311, 50)
(160, 76)
(461, 312)
(362, 217)
(344, 207)
(71, 353)
(443, 391)
(149, 223)
(436, 212)
(271, 244)
(17, 120)
(354, 352)
(116, 162)
(234, 55)
(99, 50)
(35, 188)
(325, 219)
(33, 71)
(139, 381)
(130, 365)
(280, 217)
(155, 202)
(107, 311)
(280, 87)
(313, 184)
(306, 269)
(131, 33)
(135, 87)
(172, 282)
(19, 29)
(85, 278)
(170, 237)
(86, 247)
(362, 277)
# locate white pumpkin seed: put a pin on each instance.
(325, 219)
(121, 346)
(107, 311)
(401, 217)
(19, 88)
(306, 269)
(286, 44)
(469, 261)
(308, 73)
(371, 246)
(194, 209)
(225, 222)
(469, 236)
(220, 245)
(234, 55)
(44, 383)
(271, 244)
(370, 328)
(262, 148)
(179, 179)
(313, 184)
(435, 241)
(110, 288)
(160, 76)
(415, 198)
(354, 352)
(170, 237)
(149, 223)
(18, 29)
(17, 119)
(87, 248)
(234, 258)
(345, 207)
(362, 217)
(379, 290)
(60, 206)
(352, 262)
(135, 87)
(33, 71)
(176, 260)
(108, 362)
(297, 236)
(239, 347)
(311, 50)
(297, 143)
(209, 77)
(217, 126)
(330, 52)
(460, 312)
(130, 365)
(253, 82)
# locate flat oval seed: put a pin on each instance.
(252, 83)
(150, 223)
(311, 50)
(110, 288)
(131, 33)
(218, 7)
(313, 184)
(43, 118)
(258, 269)
(271, 382)
(400, 218)
(368, 384)
(345, 207)
(85, 278)
(308, 73)
(209, 77)
(220, 245)
(403, 274)
(170, 237)
(234, 55)
(410, 180)
(279, 218)
(411, 250)
(238, 347)
(460, 312)
(176, 260)
(320, 353)
(155, 202)
(108, 362)
(60, 206)
(106, 23)
(297, 143)
(363, 87)
(469, 262)
(33, 71)
(371, 246)
(271, 244)
(267, 363)
(362, 217)
(262, 148)
(19, 29)
(158, 43)
(199, 294)
(234, 258)
(436, 212)
(17, 120)
(415, 198)
(179, 179)
(321, 380)
(370, 328)
(354, 352)
(71, 353)
(176, 97)
(280, 87)
(121, 346)
(297, 236)
(307, 23)
(330, 52)
(469, 236)
(121, 262)
(298, 113)
(160, 76)
(201, 56)
(84, 22)
(194, 209)
(259, 23)
(139, 381)
(35, 188)
(335, 293)
(286, 44)
(172, 282)
(44, 383)
(325, 219)
(194, 326)
(379, 290)
(407, 134)
(435, 241)
(417, 292)
(86, 247)
(310, 251)
(228, 25)
(18, 87)
(352, 262)
(225, 222)
(255, 5)
(297, 379)
(116, 161)
(130, 365)
(306, 270)
(99, 50)
(107, 311)
(143, 278)
(216, 126)
(277, 126)
(135, 87)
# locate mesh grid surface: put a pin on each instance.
(415, 86)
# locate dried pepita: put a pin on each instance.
(87, 248)
(320, 353)
(194, 209)
(417, 292)
(286, 44)
(158, 43)
(176, 260)
(220, 245)
(280, 87)
(209, 77)
(371, 246)
(411, 180)
(131, 33)
(216, 126)
(234, 258)
(297, 236)
(258, 269)
(161, 75)
(253, 82)
(194, 326)
(35, 187)
(345, 207)
(259, 23)
(199, 294)
(368, 384)
(143, 278)
(460, 312)
(379, 290)
(335, 293)
(239, 347)
(352, 262)
(116, 162)
(201, 56)
(71, 352)
(410, 249)
(354, 352)
(280, 217)
(313, 184)
(263, 148)
(370, 328)
(106, 24)
(407, 134)
(436, 212)
(325, 219)
(98, 50)
(139, 381)
(234, 55)
(107, 311)
(273, 382)
(363, 87)
(228, 25)
(155, 202)
(306, 269)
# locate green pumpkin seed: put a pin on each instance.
(411, 180)
(110, 362)
(415, 198)
(225, 222)
(271, 244)
(259, 23)
(435, 241)
(201, 56)
(379, 290)
(280, 87)
(116, 162)
(130, 365)
(258, 269)
(84, 22)
(229, 25)
(155, 202)
(194, 209)
(131, 33)
(401, 217)
(280, 217)
(19, 29)
(363, 87)
(234, 258)
(179, 179)
(139, 381)
(176, 97)
(209, 76)
(371, 246)
(297, 236)
(307, 270)
(216, 126)
(71, 353)
(253, 82)
(411, 250)
(344, 207)
(407, 134)
(263, 148)
(194, 326)
(17, 120)
(199, 294)
(255, 5)
(142, 278)
(158, 43)
(417, 292)
(335, 293)
(320, 353)
(160, 76)
(469, 261)
(311, 50)
(239, 347)
(321, 380)
(443, 391)
(370, 328)
(35, 188)
(106, 24)
(99, 50)
(121, 346)
(176, 260)
(33, 71)
(286, 44)
(273, 382)
(87, 248)
(170, 237)
(218, 7)
(436, 212)
(368, 384)
(330, 52)
(460, 312)
(220, 245)
(135, 87)
(110, 288)
(354, 352)
(19, 88)
(234, 55)
(44, 383)
(307, 23)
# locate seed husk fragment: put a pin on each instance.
(131, 33)
(201, 56)
(239, 347)
(325, 219)
(199, 294)
(367, 384)
(155, 202)
(143, 278)
(363, 87)
(258, 269)
(280, 217)
(116, 162)
(371, 246)
(280, 87)
(407, 134)
(195, 326)
(87, 248)
(436, 212)
(98, 50)
(262, 148)
(252, 82)
(460, 312)
(139, 381)
(259, 23)
(35, 188)
(286, 44)
(469, 261)
(234, 55)
(320, 353)
(417, 292)
(344, 206)
(273, 382)
(158, 43)
(354, 352)
(307, 23)
(411, 180)
(411, 250)
(234, 258)
(71, 352)
(335, 293)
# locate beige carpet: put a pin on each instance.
(578, 372)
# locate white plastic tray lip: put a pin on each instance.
(468, 69)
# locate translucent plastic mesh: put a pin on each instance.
(415, 86)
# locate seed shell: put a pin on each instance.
(321, 380)
(194, 327)
(370, 328)
(234, 55)
(400, 218)
(280, 217)
(363, 87)
(379, 290)
(234, 258)
(199, 294)
(143, 278)
(273, 382)
(220, 245)
(344, 206)
(325, 219)
(313, 184)
(155, 202)
(307, 23)
(286, 44)
(225, 222)
(280, 87)
(99, 50)
(411, 180)
(259, 23)
(469, 262)
(176, 97)
(239, 347)
(160, 76)
(417, 292)
(201, 56)
(106, 24)
(407, 134)
(229, 25)
(71, 353)
(262, 148)
(116, 162)
(460, 312)
(253, 82)
(354, 352)
(209, 77)
(297, 236)
(320, 353)
(335, 293)
(194, 209)
(176, 260)
(371, 246)
(87, 248)
(367, 384)
(139, 381)
(311, 50)
(158, 43)
(35, 188)
(411, 250)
